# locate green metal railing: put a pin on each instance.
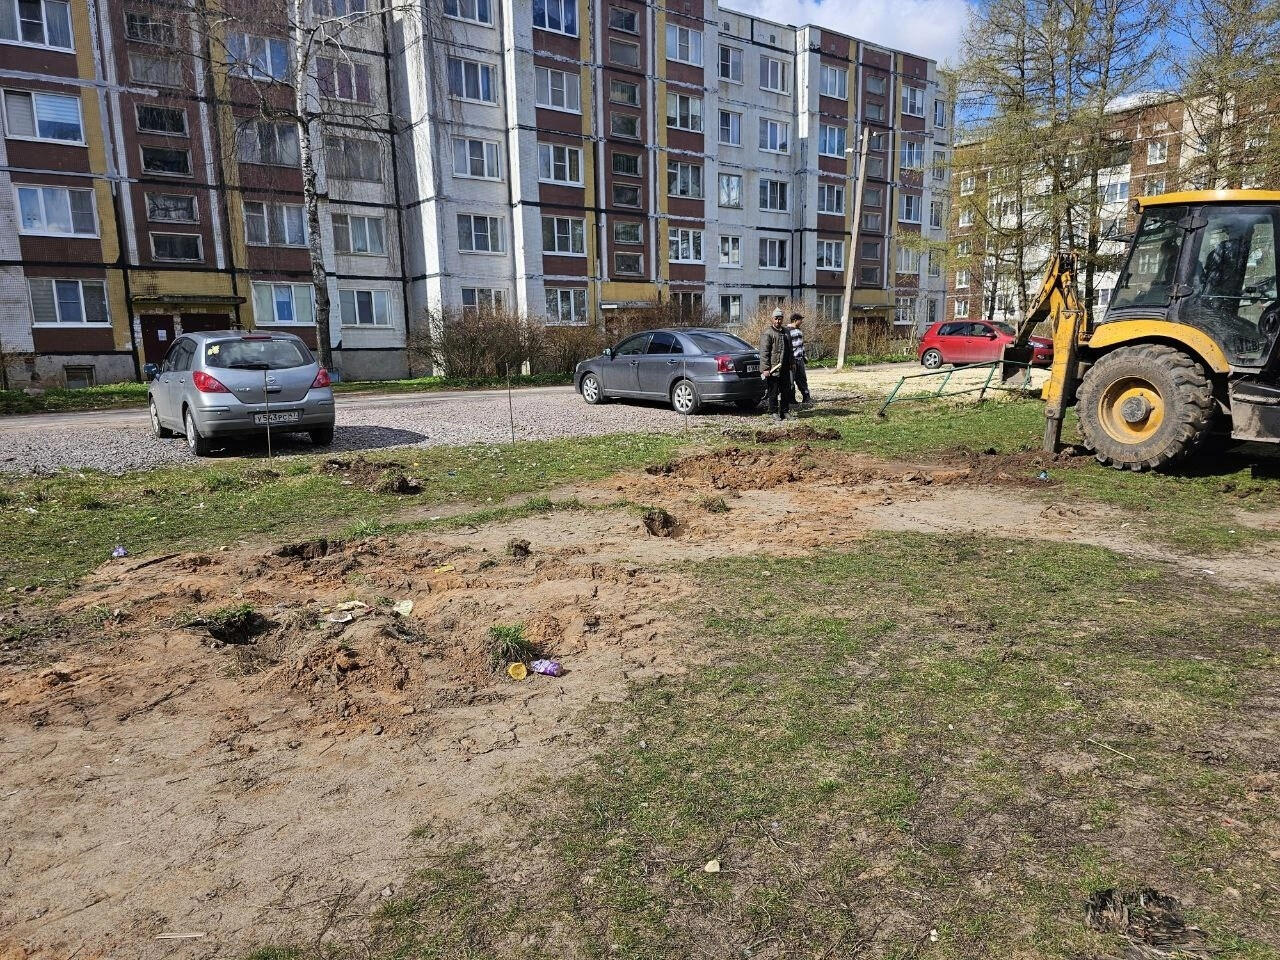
(991, 368)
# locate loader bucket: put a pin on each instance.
(1014, 361)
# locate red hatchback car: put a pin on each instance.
(975, 341)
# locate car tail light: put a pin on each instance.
(724, 364)
(207, 384)
(321, 380)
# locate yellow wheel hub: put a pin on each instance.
(1131, 410)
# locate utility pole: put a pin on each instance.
(853, 242)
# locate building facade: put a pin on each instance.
(563, 158)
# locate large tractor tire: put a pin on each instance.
(1144, 406)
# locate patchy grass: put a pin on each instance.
(929, 771)
(508, 644)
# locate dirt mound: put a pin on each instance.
(377, 476)
(659, 523)
(1149, 920)
(804, 432)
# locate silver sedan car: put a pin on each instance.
(224, 383)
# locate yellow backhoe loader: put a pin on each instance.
(1190, 343)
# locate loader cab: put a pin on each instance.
(1208, 260)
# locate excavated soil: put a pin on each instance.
(191, 769)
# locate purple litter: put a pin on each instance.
(548, 668)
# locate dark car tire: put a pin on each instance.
(747, 405)
(197, 443)
(592, 390)
(1116, 409)
(931, 359)
(158, 430)
(321, 437)
(684, 397)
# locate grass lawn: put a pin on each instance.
(922, 771)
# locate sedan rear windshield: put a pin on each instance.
(273, 354)
(719, 342)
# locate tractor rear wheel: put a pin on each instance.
(1143, 406)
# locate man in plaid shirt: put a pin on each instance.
(800, 377)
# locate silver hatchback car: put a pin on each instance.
(223, 383)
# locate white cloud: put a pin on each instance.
(931, 28)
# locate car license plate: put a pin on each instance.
(284, 416)
(753, 368)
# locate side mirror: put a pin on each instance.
(992, 336)
(608, 353)
(150, 371)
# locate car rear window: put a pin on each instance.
(718, 342)
(270, 354)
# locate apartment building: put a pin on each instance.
(1152, 142)
(573, 157)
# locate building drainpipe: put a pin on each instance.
(122, 264)
(395, 184)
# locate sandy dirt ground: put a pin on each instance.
(168, 793)
(878, 380)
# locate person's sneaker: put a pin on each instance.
(779, 417)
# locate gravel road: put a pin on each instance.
(120, 440)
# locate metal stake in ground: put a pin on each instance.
(511, 410)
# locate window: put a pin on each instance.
(773, 195)
(157, 71)
(873, 196)
(968, 184)
(265, 142)
(940, 114)
(559, 164)
(773, 75)
(358, 234)
(769, 302)
(626, 164)
(831, 140)
(689, 304)
(684, 112)
(626, 195)
(566, 305)
(939, 167)
(274, 224)
(480, 234)
(624, 125)
(962, 279)
(875, 167)
(558, 16)
(478, 159)
(166, 161)
(482, 299)
(260, 58)
(731, 64)
(42, 116)
(339, 8)
(622, 91)
(684, 246)
(476, 11)
(1113, 192)
(966, 218)
(684, 179)
(172, 208)
(963, 248)
(161, 120)
(175, 246)
(472, 80)
(830, 198)
(56, 210)
(628, 232)
(684, 45)
(875, 111)
(872, 221)
(1157, 151)
(283, 303)
(731, 251)
(563, 235)
(731, 307)
(931, 311)
(774, 136)
(631, 264)
(908, 260)
(68, 301)
(773, 253)
(146, 28)
(558, 90)
(624, 53)
(904, 310)
(833, 82)
(41, 23)
(624, 20)
(870, 249)
(830, 254)
(351, 158)
(962, 309)
(730, 190)
(731, 128)
(879, 141)
(909, 208)
(1155, 186)
(365, 308)
(869, 276)
(875, 84)
(830, 306)
(912, 101)
(343, 80)
(935, 213)
(912, 155)
(79, 377)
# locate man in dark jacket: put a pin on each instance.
(776, 364)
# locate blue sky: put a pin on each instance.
(929, 27)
